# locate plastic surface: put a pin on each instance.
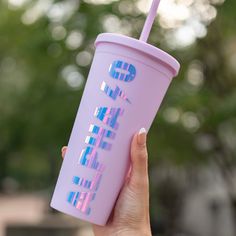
(149, 21)
(125, 87)
(141, 46)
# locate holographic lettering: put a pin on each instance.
(89, 158)
(96, 130)
(109, 116)
(113, 93)
(101, 134)
(122, 71)
(81, 200)
(100, 138)
(88, 184)
(89, 155)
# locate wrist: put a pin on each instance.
(134, 233)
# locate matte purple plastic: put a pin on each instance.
(149, 21)
(143, 47)
(154, 72)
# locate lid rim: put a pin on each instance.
(140, 46)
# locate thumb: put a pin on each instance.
(139, 161)
(63, 151)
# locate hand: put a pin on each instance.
(130, 216)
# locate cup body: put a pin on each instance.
(124, 90)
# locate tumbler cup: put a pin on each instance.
(125, 87)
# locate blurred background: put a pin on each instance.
(46, 49)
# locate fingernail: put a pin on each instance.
(142, 135)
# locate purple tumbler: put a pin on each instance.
(125, 87)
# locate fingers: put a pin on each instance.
(138, 175)
(63, 151)
(139, 161)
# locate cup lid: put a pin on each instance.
(140, 46)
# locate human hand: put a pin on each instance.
(130, 216)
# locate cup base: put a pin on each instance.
(87, 219)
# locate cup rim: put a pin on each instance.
(140, 46)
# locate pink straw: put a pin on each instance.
(149, 21)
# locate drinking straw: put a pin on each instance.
(149, 21)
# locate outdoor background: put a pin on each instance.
(46, 49)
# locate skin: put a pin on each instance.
(130, 216)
